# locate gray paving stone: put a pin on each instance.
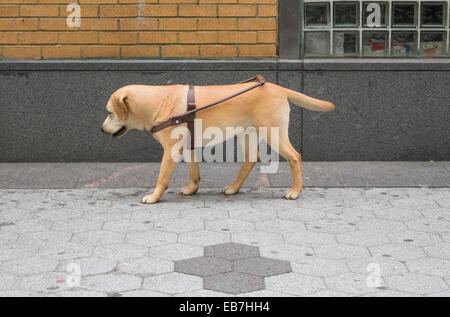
(65, 250)
(441, 250)
(233, 283)
(8, 237)
(420, 239)
(17, 251)
(98, 237)
(205, 214)
(175, 251)
(295, 284)
(8, 281)
(257, 238)
(230, 225)
(44, 237)
(264, 293)
(203, 293)
(120, 251)
(284, 251)
(319, 267)
(381, 225)
(179, 225)
(331, 226)
(252, 214)
(204, 238)
(301, 214)
(151, 238)
(390, 293)
(29, 265)
(437, 213)
(309, 238)
(280, 226)
(143, 293)
(341, 251)
(231, 251)
(111, 283)
(90, 265)
(397, 251)
(350, 283)
(44, 282)
(145, 266)
(155, 214)
(262, 266)
(328, 294)
(416, 283)
(440, 294)
(203, 266)
(382, 194)
(75, 292)
(413, 203)
(387, 266)
(128, 225)
(429, 225)
(27, 225)
(350, 215)
(362, 238)
(73, 225)
(398, 214)
(56, 214)
(173, 283)
(430, 266)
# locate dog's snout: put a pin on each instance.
(101, 129)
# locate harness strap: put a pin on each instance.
(190, 119)
(191, 110)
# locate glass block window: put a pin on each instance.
(389, 28)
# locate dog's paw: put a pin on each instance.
(292, 194)
(230, 190)
(150, 199)
(190, 189)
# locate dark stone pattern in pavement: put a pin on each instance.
(232, 268)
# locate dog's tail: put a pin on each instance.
(309, 103)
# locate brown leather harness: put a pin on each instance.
(189, 116)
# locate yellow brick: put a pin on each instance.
(39, 10)
(268, 11)
(139, 24)
(237, 37)
(158, 37)
(257, 51)
(178, 24)
(61, 51)
(22, 52)
(257, 24)
(8, 37)
(78, 37)
(158, 10)
(207, 24)
(9, 11)
(118, 11)
(197, 37)
(103, 51)
(267, 37)
(134, 51)
(198, 10)
(117, 37)
(18, 24)
(218, 51)
(237, 10)
(38, 38)
(180, 51)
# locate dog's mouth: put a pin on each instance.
(120, 132)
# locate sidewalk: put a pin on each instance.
(359, 229)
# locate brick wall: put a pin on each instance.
(34, 29)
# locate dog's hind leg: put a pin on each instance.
(246, 168)
(295, 161)
(194, 172)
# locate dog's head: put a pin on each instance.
(117, 123)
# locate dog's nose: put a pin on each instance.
(101, 129)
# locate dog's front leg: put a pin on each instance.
(167, 168)
(194, 172)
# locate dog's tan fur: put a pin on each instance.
(142, 107)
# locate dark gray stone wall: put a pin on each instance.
(51, 111)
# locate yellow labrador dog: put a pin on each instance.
(143, 107)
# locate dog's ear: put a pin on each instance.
(120, 105)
